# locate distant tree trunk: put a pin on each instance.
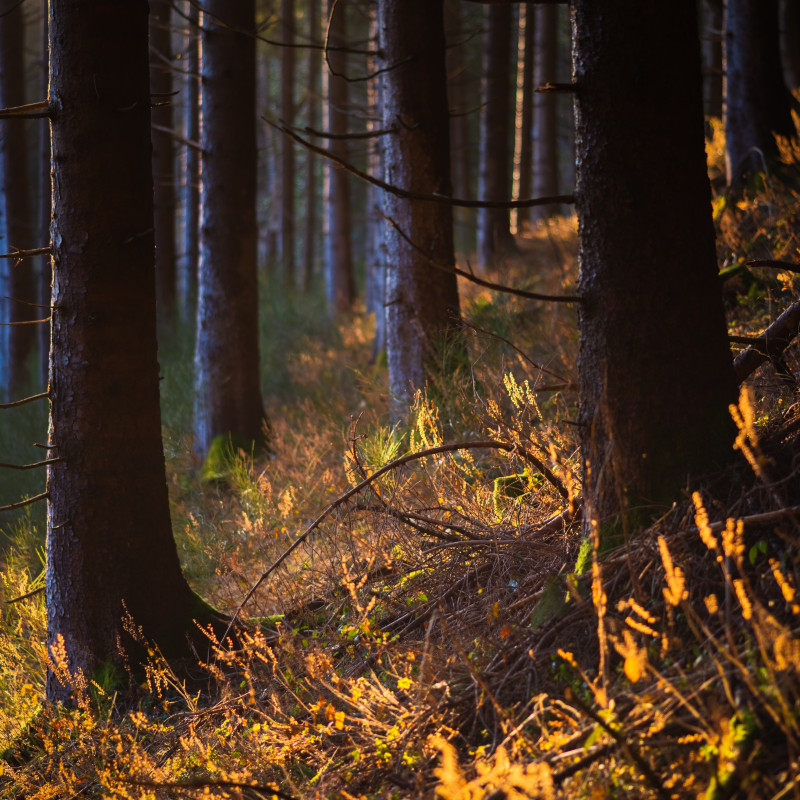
(227, 375)
(711, 35)
(545, 118)
(163, 157)
(461, 156)
(790, 42)
(287, 146)
(339, 280)
(656, 374)
(494, 225)
(311, 196)
(526, 87)
(16, 214)
(110, 550)
(757, 101)
(421, 300)
(190, 166)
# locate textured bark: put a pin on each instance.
(44, 270)
(655, 367)
(545, 119)
(163, 157)
(526, 86)
(190, 167)
(757, 101)
(711, 38)
(494, 225)
(313, 81)
(15, 214)
(109, 545)
(227, 386)
(287, 169)
(339, 280)
(421, 301)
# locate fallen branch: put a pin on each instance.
(775, 339)
(398, 462)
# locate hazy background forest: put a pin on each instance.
(379, 439)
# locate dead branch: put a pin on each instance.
(347, 136)
(28, 502)
(407, 195)
(38, 110)
(23, 596)
(31, 466)
(27, 321)
(177, 137)
(25, 400)
(39, 251)
(775, 339)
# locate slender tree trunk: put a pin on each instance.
(190, 166)
(287, 145)
(16, 234)
(494, 225)
(525, 92)
(110, 550)
(227, 375)
(44, 273)
(655, 366)
(163, 157)
(311, 192)
(757, 101)
(790, 42)
(421, 300)
(545, 126)
(711, 37)
(460, 153)
(339, 280)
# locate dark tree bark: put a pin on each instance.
(421, 301)
(655, 367)
(460, 152)
(190, 167)
(494, 226)
(711, 37)
(757, 102)
(339, 280)
(545, 116)
(227, 375)
(313, 82)
(109, 547)
(44, 271)
(525, 133)
(15, 213)
(163, 156)
(287, 169)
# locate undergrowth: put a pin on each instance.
(414, 625)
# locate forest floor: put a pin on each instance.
(430, 635)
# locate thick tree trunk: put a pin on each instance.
(227, 375)
(163, 157)
(545, 124)
(525, 94)
(190, 167)
(421, 299)
(15, 215)
(44, 272)
(110, 550)
(655, 366)
(287, 169)
(339, 280)
(494, 225)
(757, 102)
(313, 80)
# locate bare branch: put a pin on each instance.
(404, 193)
(775, 339)
(27, 502)
(38, 110)
(25, 400)
(556, 88)
(20, 254)
(24, 596)
(26, 322)
(177, 137)
(362, 135)
(31, 466)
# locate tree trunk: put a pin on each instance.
(545, 124)
(711, 37)
(494, 225)
(163, 158)
(421, 299)
(339, 280)
(758, 104)
(287, 145)
(790, 42)
(227, 375)
(655, 367)
(110, 550)
(190, 167)
(20, 287)
(525, 91)
(44, 272)
(311, 191)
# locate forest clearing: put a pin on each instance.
(481, 499)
